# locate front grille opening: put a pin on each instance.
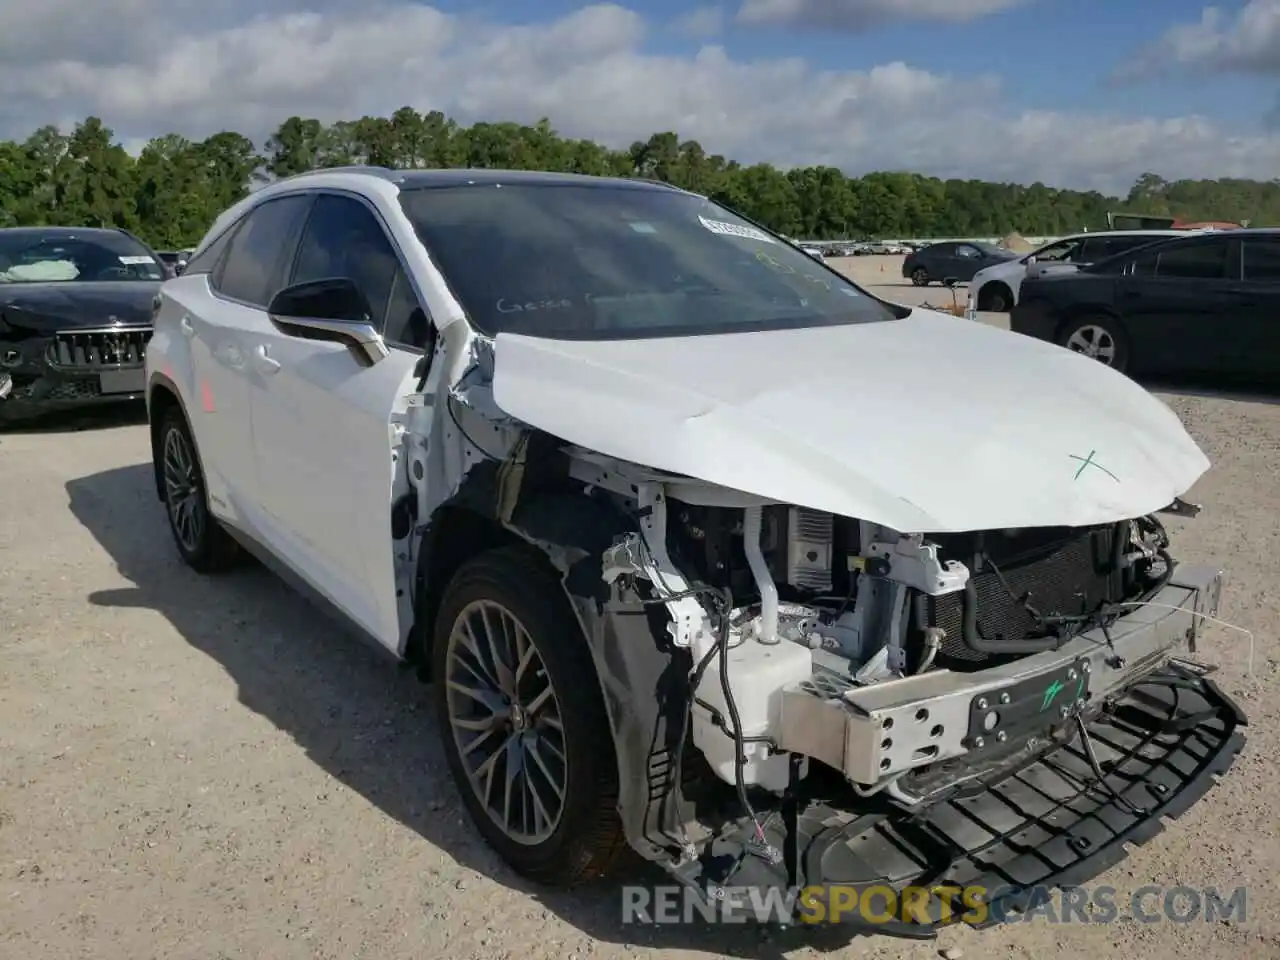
(1060, 572)
(98, 349)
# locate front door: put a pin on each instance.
(321, 423)
(967, 261)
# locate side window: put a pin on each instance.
(1091, 251)
(207, 259)
(1262, 261)
(1121, 244)
(1144, 266)
(343, 238)
(1196, 261)
(1059, 252)
(406, 320)
(966, 251)
(261, 249)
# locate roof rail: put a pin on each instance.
(385, 173)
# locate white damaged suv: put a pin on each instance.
(707, 552)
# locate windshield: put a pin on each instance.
(619, 261)
(62, 257)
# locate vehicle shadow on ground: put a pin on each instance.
(368, 724)
(74, 421)
(1245, 393)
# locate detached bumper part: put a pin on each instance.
(1050, 823)
(890, 728)
(1036, 813)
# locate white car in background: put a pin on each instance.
(881, 248)
(996, 288)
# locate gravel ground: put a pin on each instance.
(207, 769)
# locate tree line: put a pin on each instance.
(171, 192)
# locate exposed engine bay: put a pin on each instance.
(779, 603)
(799, 698)
(840, 669)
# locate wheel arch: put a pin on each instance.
(162, 396)
(565, 533)
(641, 678)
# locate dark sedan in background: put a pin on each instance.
(959, 259)
(75, 316)
(1201, 304)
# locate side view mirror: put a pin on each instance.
(1030, 260)
(179, 267)
(333, 309)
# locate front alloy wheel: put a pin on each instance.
(505, 720)
(522, 716)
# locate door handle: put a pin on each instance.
(263, 360)
(188, 328)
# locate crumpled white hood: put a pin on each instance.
(927, 424)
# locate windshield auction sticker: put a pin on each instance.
(735, 230)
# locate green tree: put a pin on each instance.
(174, 188)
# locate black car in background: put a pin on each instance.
(958, 259)
(1201, 304)
(75, 316)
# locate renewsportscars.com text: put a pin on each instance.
(878, 905)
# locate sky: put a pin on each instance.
(1085, 94)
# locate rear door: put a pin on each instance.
(1180, 302)
(1258, 327)
(321, 420)
(224, 300)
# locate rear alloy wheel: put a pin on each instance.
(920, 277)
(1099, 338)
(201, 540)
(526, 733)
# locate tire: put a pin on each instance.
(997, 298)
(202, 542)
(581, 838)
(1110, 344)
(920, 277)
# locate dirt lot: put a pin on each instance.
(199, 769)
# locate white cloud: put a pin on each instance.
(857, 15)
(592, 73)
(701, 22)
(1248, 42)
